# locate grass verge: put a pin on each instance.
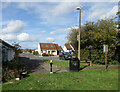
(82, 80)
(64, 63)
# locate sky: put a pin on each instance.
(29, 23)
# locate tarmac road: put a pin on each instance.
(35, 64)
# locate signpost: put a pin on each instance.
(105, 49)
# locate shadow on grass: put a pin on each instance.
(84, 66)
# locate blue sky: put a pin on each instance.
(32, 22)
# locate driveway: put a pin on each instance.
(35, 64)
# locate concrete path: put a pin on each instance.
(101, 67)
(34, 64)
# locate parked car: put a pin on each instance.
(65, 56)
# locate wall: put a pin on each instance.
(11, 54)
(39, 50)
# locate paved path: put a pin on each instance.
(101, 67)
(34, 64)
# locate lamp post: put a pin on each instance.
(90, 48)
(78, 8)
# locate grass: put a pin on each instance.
(64, 63)
(82, 80)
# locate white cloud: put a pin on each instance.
(8, 37)
(53, 32)
(111, 13)
(14, 27)
(51, 14)
(43, 31)
(63, 8)
(28, 45)
(101, 11)
(61, 31)
(49, 39)
(23, 6)
(24, 37)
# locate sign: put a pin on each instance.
(105, 48)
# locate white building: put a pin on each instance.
(51, 48)
(68, 47)
(6, 51)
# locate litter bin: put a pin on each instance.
(74, 64)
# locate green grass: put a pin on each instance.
(64, 64)
(82, 80)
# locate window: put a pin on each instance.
(46, 45)
(41, 45)
(51, 45)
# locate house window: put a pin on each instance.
(41, 45)
(51, 45)
(46, 45)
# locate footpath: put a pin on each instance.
(101, 67)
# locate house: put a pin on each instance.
(68, 47)
(51, 48)
(7, 51)
(33, 50)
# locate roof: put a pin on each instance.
(33, 49)
(68, 46)
(5, 43)
(50, 46)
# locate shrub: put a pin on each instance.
(11, 69)
(51, 55)
(35, 53)
(44, 54)
(113, 62)
(48, 54)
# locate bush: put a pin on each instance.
(113, 62)
(11, 69)
(35, 53)
(44, 54)
(47, 54)
(51, 55)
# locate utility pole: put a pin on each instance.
(78, 8)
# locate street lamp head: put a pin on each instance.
(78, 8)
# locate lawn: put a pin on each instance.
(65, 63)
(82, 80)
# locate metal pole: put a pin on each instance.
(106, 58)
(79, 34)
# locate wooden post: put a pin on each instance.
(90, 63)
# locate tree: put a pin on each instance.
(17, 48)
(72, 38)
(96, 34)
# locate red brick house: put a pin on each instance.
(51, 48)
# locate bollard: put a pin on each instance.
(51, 66)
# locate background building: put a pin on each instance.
(7, 51)
(51, 48)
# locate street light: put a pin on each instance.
(90, 48)
(79, 8)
